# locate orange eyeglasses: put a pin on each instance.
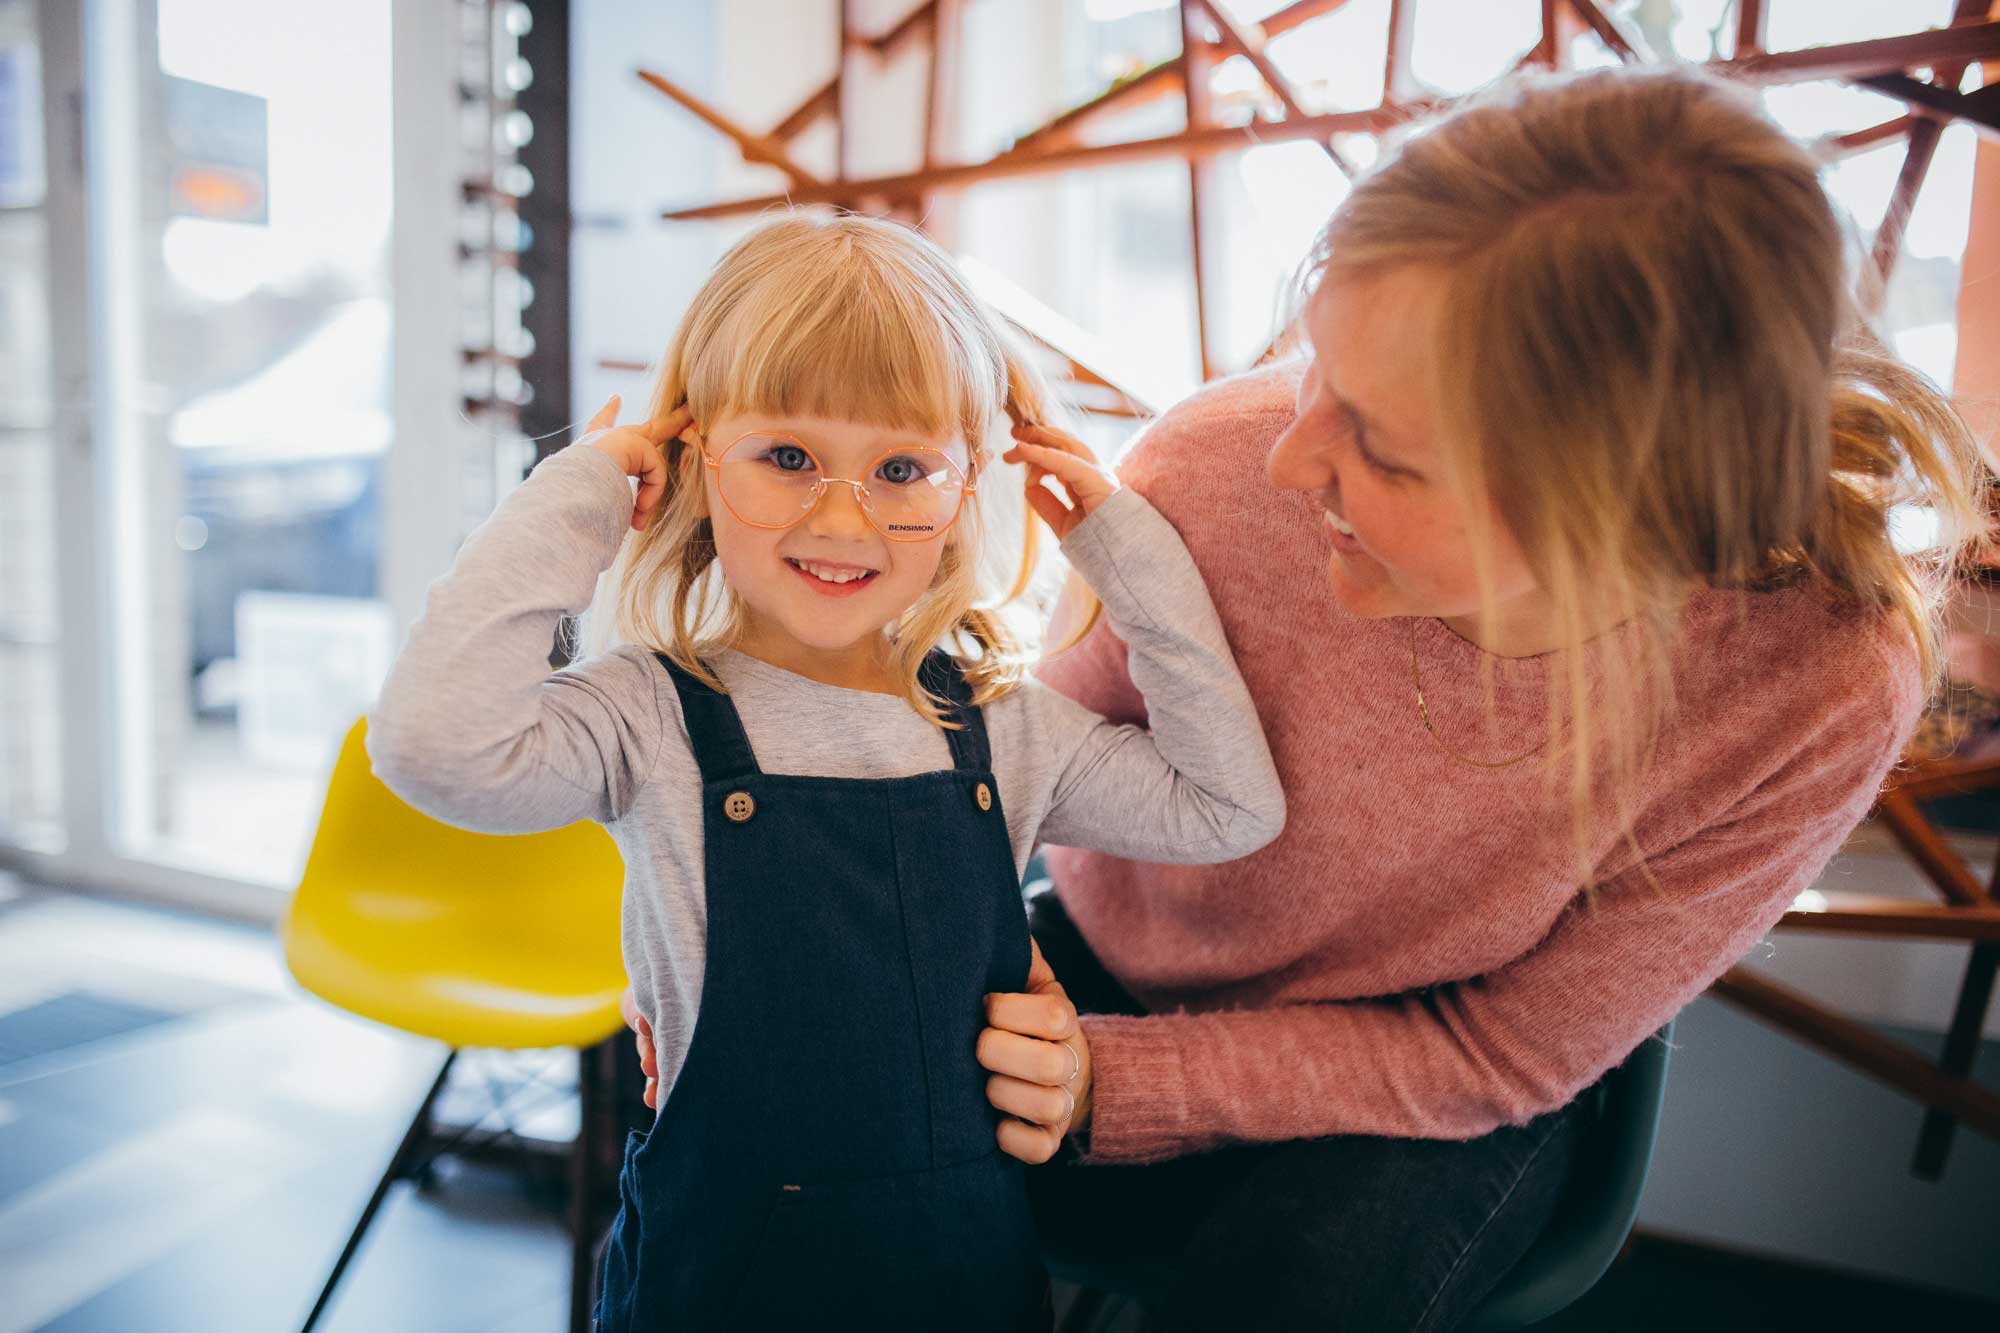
(774, 481)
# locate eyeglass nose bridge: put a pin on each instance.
(863, 500)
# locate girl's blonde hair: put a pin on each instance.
(1647, 359)
(857, 319)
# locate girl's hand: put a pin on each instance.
(1040, 1062)
(1049, 452)
(649, 1059)
(639, 450)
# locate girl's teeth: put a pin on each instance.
(1339, 524)
(825, 575)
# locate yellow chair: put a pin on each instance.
(475, 940)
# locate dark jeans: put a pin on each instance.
(1352, 1232)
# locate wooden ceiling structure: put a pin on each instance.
(1923, 70)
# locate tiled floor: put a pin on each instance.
(193, 1162)
(198, 1170)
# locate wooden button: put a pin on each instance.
(738, 806)
(984, 795)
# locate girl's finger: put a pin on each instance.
(663, 428)
(1050, 509)
(1054, 439)
(652, 485)
(1030, 1059)
(1036, 1103)
(1037, 473)
(653, 1094)
(607, 415)
(1080, 475)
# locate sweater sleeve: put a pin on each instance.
(1460, 1059)
(471, 726)
(1199, 786)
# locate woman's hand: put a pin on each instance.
(1048, 452)
(1040, 1064)
(649, 1060)
(639, 450)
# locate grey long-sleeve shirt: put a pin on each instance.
(473, 729)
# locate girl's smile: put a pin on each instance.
(832, 578)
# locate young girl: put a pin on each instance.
(821, 759)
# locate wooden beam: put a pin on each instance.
(1980, 106)
(822, 101)
(1248, 41)
(1750, 28)
(845, 11)
(753, 147)
(1879, 55)
(1888, 245)
(1833, 147)
(1899, 918)
(1927, 847)
(906, 27)
(1547, 50)
(939, 210)
(1151, 84)
(1197, 59)
(1961, 1045)
(1976, 370)
(1397, 75)
(1607, 31)
(1928, 779)
(1188, 144)
(1861, 1047)
(1148, 85)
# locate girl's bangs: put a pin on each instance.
(848, 355)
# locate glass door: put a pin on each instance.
(240, 195)
(30, 737)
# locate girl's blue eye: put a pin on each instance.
(900, 471)
(789, 458)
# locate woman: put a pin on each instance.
(1571, 612)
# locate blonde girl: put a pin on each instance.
(814, 744)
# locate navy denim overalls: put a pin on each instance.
(826, 1157)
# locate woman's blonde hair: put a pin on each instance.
(1647, 359)
(858, 319)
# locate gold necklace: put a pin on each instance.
(1424, 716)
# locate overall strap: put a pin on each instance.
(721, 747)
(940, 675)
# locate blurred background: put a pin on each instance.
(291, 295)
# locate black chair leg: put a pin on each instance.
(1087, 1311)
(418, 1131)
(590, 1164)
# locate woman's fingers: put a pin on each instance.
(1036, 1103)
(607, 415)
(1046, 1012)
(653, 1094)
(1031, 1059)
(1033, 1144)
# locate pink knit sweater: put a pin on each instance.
(1412, 956)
